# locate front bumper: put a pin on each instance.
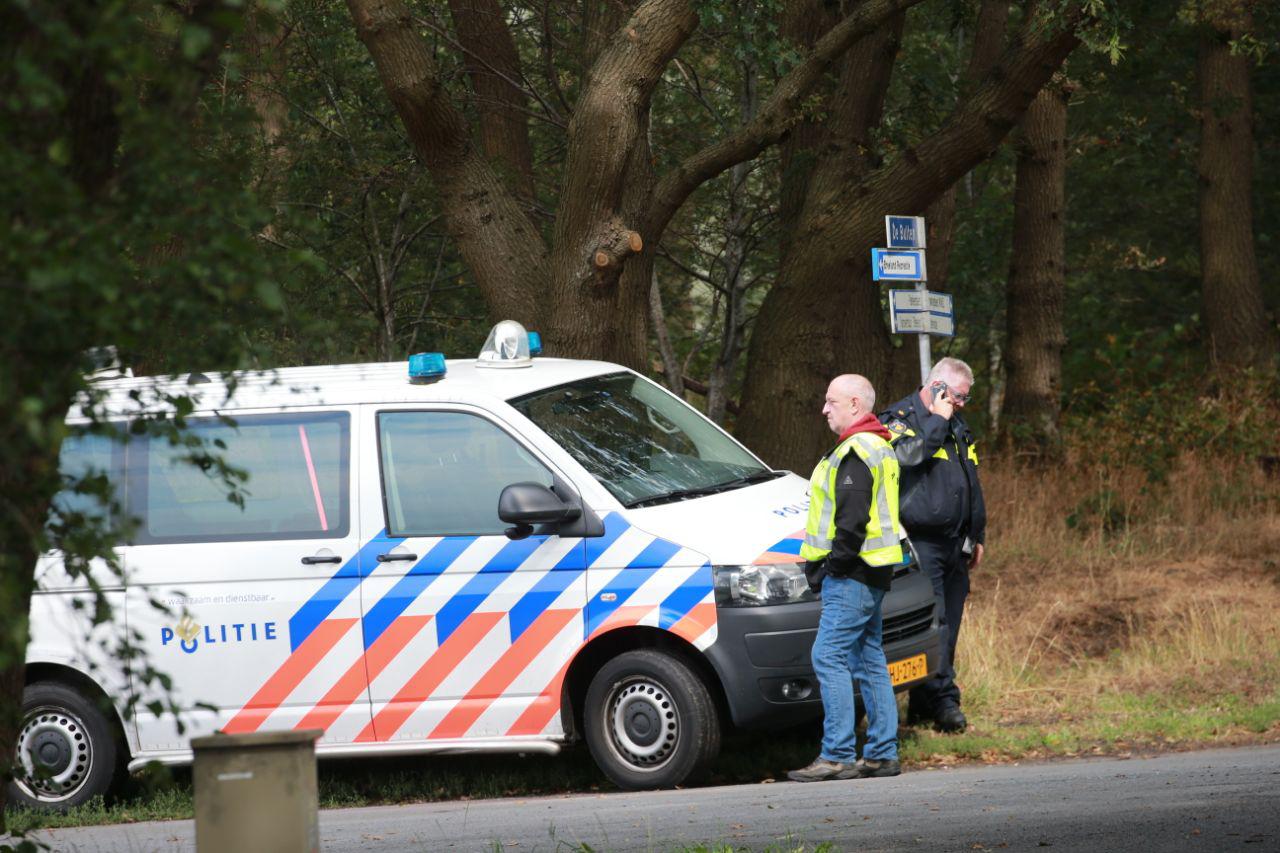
(762, 654)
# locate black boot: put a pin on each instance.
(951, 720)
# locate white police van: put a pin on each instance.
(501, 554)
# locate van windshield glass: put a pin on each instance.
(643, 444)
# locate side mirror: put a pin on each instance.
(526, 504)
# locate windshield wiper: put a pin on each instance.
(701, 491)
(673, 495)
(749, 480)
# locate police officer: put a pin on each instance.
(942, 510)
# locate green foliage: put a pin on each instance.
(1156, 419)
(129, 222)
(1133, 310)
(357, 241)
(166, 234)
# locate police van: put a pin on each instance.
(502, 554)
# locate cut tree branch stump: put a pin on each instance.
(614, 251)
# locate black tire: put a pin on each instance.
(650, 721)
(67, 749)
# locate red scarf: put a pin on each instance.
(867, 423)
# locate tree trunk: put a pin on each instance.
(846, 335)
(857, 322)
(28, 480)
(629, 341)
(25, 495)
(988, 40)
(672, 375)
(501, 246)
(599, 227)
(265, 79)
(736, 282)
(803, 23)
(794, 351)
(1037, 281)
(493, 66)
(738, 224)
(1241, 335)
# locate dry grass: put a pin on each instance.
(1161, 593)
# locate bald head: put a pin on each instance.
(849, 397)
(856, 386)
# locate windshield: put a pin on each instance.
(642, 443)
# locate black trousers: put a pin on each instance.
(948, 568)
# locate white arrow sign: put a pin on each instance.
(897, 265)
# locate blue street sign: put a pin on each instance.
(902, 265)
(904, 232)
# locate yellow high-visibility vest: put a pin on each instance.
(883, 544)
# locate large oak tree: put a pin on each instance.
(586, 279)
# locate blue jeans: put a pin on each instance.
(847, 650)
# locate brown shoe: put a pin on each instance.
(821, 770)
(873, 769)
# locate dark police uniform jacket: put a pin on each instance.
(939, 492)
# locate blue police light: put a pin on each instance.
(535, 344)
(426, 367)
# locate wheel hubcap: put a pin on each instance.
(55, 755)
(642, 722)
(644, 725)
(52, 751)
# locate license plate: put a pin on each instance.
(909, 669)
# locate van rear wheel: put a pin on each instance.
(650, 721)
(67, 752)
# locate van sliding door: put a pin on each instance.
(243, 578)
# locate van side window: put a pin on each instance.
(442, 472)
(89, 466)
(297, 467)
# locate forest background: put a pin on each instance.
(692, 189)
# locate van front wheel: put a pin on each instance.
(66, 751)
(650, 721)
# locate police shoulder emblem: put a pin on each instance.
(899, 428)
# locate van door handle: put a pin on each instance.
(394, 557)
(311, 561)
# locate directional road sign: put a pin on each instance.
(921, 311)
(904, 232)
(897, 265)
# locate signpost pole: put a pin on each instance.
(926, 351)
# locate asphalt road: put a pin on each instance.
(1218, 800)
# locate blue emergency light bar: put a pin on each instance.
(426, 367)
(535, 344)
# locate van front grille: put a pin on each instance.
(907, 625)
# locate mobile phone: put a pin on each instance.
(937, 389)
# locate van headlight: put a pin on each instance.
(753, 586)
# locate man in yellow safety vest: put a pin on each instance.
(852, 542)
